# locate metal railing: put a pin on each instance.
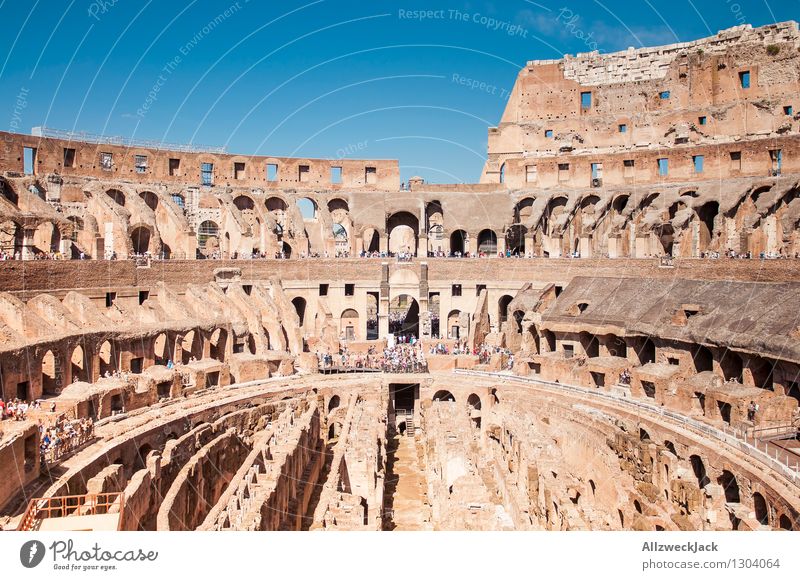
(776, 459)
(43, 508)
(84, 137)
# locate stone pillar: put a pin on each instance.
(384, 243)
(383, 307)
(424, 319)
(501, 244)
(585, 247)
(613, 246)
(28, 243)
(422, 246)
(529, 243)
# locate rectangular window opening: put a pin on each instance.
(110, 298)
(371, 175)
(323, 289)
(349, 289)
(736, 160)
(623, 128)
(531, 173)
(455, 290)
(140, 163)
(272, 172)
(586, 100)
(238, 170)
(29, 160)
(336, 175)
(207, 174)
(303, 173)
(174, 166)
(698, 161)
(143, 295)
(106, 161)
(744, 79)
(663, 167)
(69, 157)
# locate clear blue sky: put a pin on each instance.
(325, 78)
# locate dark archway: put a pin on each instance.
(334, 403)
(300, 307)
(761, 509)
(443, 395)
(140, 240)
(505, 300)
(703, 359)
(404, 316)
(487, 242)
(699, 469)
(728, 482)
(458, 242)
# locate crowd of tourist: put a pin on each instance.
(17, 409)
(63, 437)
(401, 256)
(405, 357)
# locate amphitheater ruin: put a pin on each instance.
(602, 334)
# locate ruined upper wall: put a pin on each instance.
(184, 168)
(740, 85)
(646, 64)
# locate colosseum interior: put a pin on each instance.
(607, 324)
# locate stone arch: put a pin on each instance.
(244, 203)
(371, 240)
(217, 344)
(50, 384)
(699, 469)
(502, 307)
(189, 346)
(646, 351)
(703, 359)
(731, 364)
(140, 461)
(338, 204)
(299, 304)
(443, 395)
(620, 203)
(707, 214)
(403, 230)
(160, 349)
(731, 487)
(348, 324)
(404, 315)
(454, 324)
(487, 242)
(207, 231)
(761, 509)
(334, 403)
(308, 208)
(785, 523)
(107, 356)
(150, 199)
(458, 242)
(78, 366)
(519, 316)
(116, 196)
(141, 238)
